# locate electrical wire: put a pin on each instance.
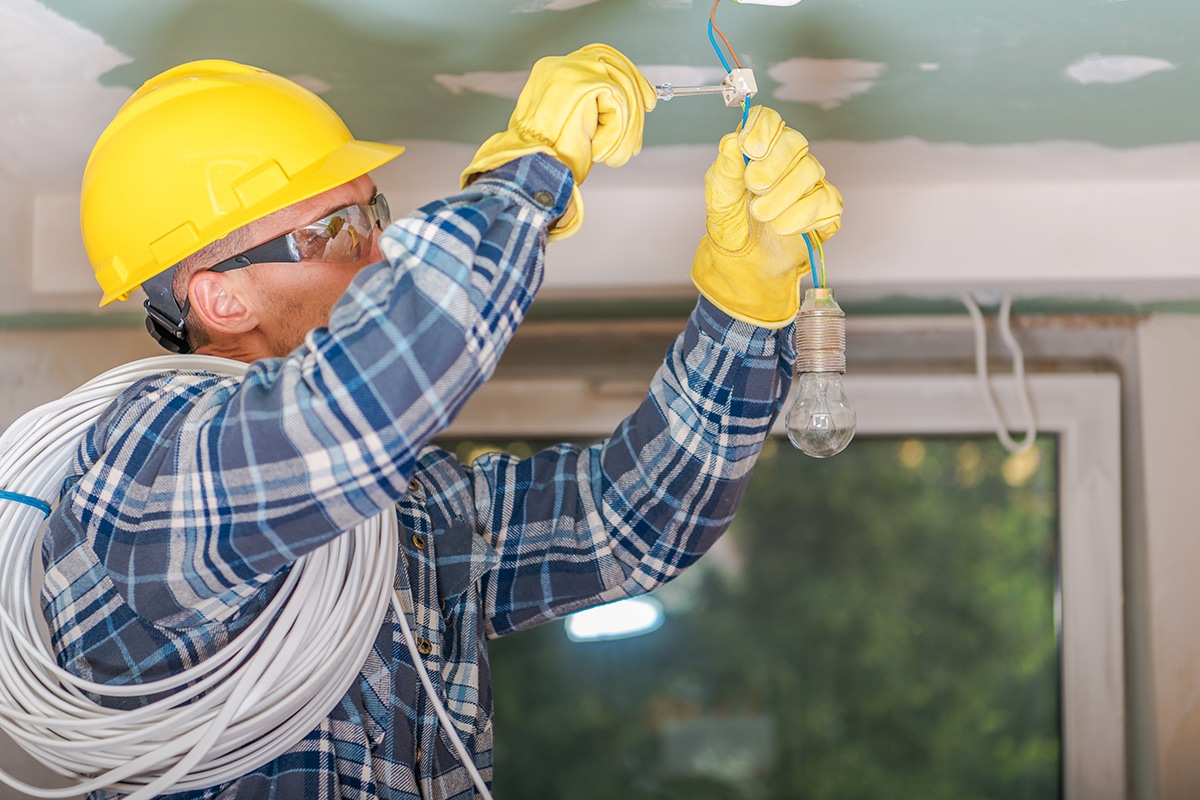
(231, 713)
(712, 26)
(818, 278)
(720, 55)
(812, 261)
(745, 118)
(821, 252)
(985, 386)
(438, 707)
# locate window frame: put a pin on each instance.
(1082, 410)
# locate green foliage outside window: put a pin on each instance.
(880, 624)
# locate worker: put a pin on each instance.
(243, 206)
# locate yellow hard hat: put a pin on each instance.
(199, 151)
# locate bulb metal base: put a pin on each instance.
(820, 333)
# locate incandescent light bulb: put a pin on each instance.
(821, 421)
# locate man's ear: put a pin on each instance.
(220, 301)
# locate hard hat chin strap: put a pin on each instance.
(164, 317)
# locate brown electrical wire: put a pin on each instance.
(712, 18)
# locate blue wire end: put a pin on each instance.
(812, 261)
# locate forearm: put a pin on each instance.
(477, 275)
(406, 346)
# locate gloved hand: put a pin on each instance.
(750, 262)
(585, 107)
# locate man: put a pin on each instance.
(242, 205)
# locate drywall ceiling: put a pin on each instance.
(1010, 144)
(983, 72)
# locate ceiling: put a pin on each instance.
(915, 91)
(984, 72)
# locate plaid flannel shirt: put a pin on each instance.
(193, 493)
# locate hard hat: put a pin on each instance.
(199, 151)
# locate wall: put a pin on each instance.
(1163, 559)
(37, 366)
(1065, 220)
(16, 217)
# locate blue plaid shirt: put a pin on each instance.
(193, 493)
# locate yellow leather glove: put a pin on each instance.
(582, 108)
(751, 260)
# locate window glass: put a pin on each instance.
(878, 624)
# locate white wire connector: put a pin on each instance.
(985, 386)
(738, 86)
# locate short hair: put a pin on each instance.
(236, 242)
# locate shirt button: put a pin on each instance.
(424, 646)
(418, 758)
(414, 486)
(418, 541)
(543, 198)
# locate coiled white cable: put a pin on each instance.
(241, 708)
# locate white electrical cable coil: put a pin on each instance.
(247, 704)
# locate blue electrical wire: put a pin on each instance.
(745, 118)
(812, 259)
(725, 64)
(24, 499)
(808, 242)
(720, 55)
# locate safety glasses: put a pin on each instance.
(340, 238)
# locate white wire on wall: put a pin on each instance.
(985, 386)
(250, 702)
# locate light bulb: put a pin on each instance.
(821, 421)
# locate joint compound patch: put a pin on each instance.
(55, 106)
(497, 84)
(551, 5)
(824, 82)
(1096, 68)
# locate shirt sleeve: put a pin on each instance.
(193, 488)
(574, 527)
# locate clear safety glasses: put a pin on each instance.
(340, 238)
(343, 237)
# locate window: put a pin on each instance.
(922, 615)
